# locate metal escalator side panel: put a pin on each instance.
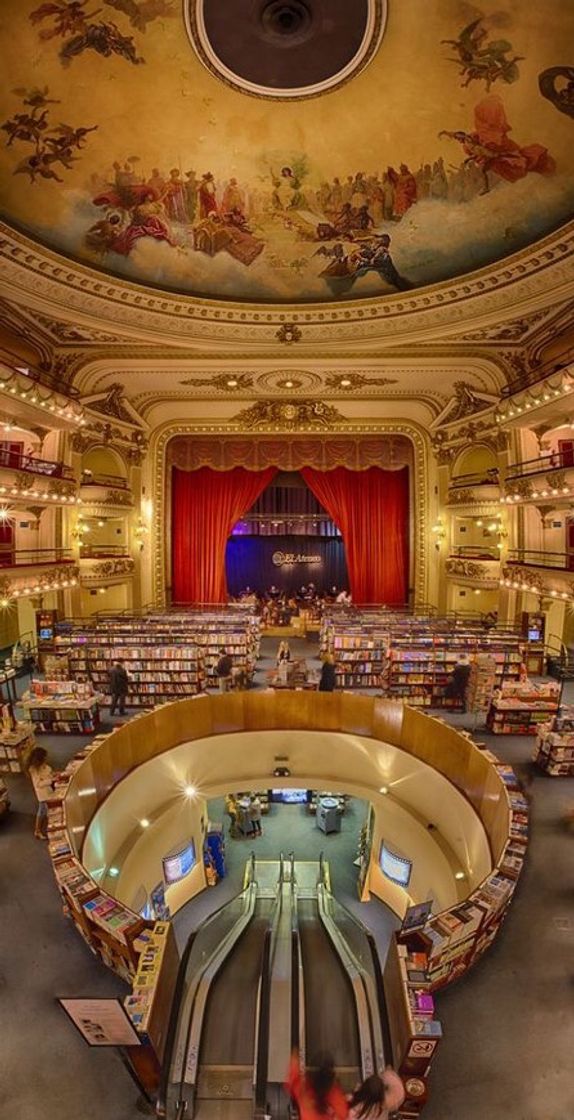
(280, 991)
(181, 1010)
(262, 1018)
(201, 986)
(298, 1039)
(364, 1024)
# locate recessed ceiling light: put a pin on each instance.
(114, 872)
(345, 383)
(144, 822)
(232, 383)
(384, 789)
(190, 791)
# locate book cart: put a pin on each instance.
(62, 708)
(554, 750)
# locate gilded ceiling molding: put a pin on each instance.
(289, 416)
(534, 278)
(420, 480)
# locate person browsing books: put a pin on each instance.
(119, 687)
(223, 670)
(42, 778)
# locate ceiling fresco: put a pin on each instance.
(451, 149)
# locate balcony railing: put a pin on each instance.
(474, 552)
(115, 482)
(30, 557)
(104, 551)
(557, 460)
(29, 463)
(489, 477)
(562, 561)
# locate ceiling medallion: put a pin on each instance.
(285, 49)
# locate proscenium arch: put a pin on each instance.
(419, 483)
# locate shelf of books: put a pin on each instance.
(167, 655)
(62, 707)
(519, 708)
(453, 940)
(109, 928)
(15, 745)
(415, 1032)
(412, 658)
(149, 1004)
(554, 750)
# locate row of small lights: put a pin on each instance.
(57, 585)
(34, 397)
(13, 491)
(555, 492)
(566, 387)
(535, 590)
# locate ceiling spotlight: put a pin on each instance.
(114, 872)
(144, 823)
(384, 789)
(459, 875)
(190, 791)
(232, 383)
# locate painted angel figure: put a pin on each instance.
(480, 60)
(492, 151)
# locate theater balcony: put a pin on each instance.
(548, 477)
(36, 400)
(105, 493)
(541, 402)
(34, 571)
(26, 477)
(479, 490)
(105, 564)
(470, 565)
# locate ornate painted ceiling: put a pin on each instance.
(444, 143)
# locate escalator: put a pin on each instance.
(231, 986)
(282, 967)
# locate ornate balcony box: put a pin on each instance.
(472, 572)
(102, 494)
(102, 570)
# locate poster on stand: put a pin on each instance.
(101, 1022)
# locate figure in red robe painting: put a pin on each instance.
(490, 148)
(206, 196)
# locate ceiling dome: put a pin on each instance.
(297, 152)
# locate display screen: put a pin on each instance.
(289, 796)
(396, 868)
(179, 863)
(534, 635)
(46, 634)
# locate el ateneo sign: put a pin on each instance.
(283, 559)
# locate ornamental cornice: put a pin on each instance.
(473, 571)
(114, 569)
(533, 279)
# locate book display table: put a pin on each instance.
(554, 750)
(61, 708)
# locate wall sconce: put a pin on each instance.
(141, 531)
(79, 531)
(439, 533)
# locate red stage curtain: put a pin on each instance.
(205, 506)
(371, 509)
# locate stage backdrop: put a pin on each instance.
(370, 507)
(285, 561)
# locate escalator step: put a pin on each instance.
(225, 1082)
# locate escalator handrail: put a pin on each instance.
(264, 1000)
(297, 977)
(376, 1002)
(357, 980)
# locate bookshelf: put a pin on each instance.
(14, 747)
(412, 658)
(167, 655)
(554, 750)
(519, 708)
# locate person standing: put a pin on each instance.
(316, 1093)
(328, 676)
(283, 653)
(42, 778)
(254, 813)
(119, 687)
(223, 670)
(377, 1096)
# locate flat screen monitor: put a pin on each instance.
(534, 634)
(179, 863)
(289, 796)
(46, 634)
(396, 868)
